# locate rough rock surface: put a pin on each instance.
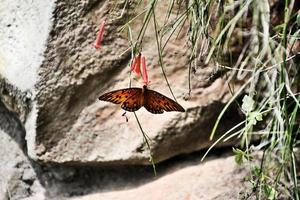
(22, 178)
(50, 112)
(74, 127)
(17, 175)
(212, 180)
(64, 121)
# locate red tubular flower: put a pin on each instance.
(136, 65)
(99, 38)
(140, 62)
(144, 71)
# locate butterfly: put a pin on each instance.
(132, 99)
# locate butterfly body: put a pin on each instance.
(132, 99)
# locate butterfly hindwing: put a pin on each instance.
(156, 103)
(134, 102)
(120, 96)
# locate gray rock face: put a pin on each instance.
(74, 127)
(64, 121)
(17, 176)
(21, 178)
(73, 73)
(78, 144)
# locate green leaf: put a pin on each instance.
(248, 104)
(258, 116)
(256, 170)
(254, 117)
(238, 157)
(298, 18)
(270, 192)
(279, 28)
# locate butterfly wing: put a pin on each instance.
(120, 96)
(156, 103)
(134, 102)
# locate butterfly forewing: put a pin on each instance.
(156, 103)
(120, 96)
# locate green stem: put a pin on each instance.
(146, 139)
(160, 59)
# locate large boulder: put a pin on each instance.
(54, 90)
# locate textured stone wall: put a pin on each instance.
(64, 121)
(56, 138)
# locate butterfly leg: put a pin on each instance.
(124, 115)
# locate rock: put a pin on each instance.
(16, 173)
(18, 179)
(28, 175)
(64, 121)
(23, 41)
(50, 78)
(17, 189)
(213, 179)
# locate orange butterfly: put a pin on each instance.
(133, 99)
